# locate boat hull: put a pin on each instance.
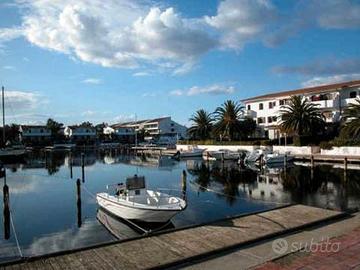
(197, 153)
(135, 213)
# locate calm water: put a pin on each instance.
(47, 217)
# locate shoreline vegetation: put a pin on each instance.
(301, 121)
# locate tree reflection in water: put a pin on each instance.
(228, 175)
(322, 186)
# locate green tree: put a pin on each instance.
(54, 127)
(86, 124)
(351, 117)
(202, 125)
(228, 119)
(301, 117)
(247, 128)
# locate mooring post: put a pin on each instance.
(6, 200)
(312, 161)
(183, 184)
(285, 160)
(345, 163)
(222, 156)
(78, 201)
(83, 167)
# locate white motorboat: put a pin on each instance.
(190, 151)
(222, 154)
(254, 156)
(272, 158)
(134, 202)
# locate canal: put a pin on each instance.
(45, 215)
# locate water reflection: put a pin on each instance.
(51, 213)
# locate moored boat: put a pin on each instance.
(190, 151)
(134, 202)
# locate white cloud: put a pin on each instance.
(141, 74)
(19, 100)
(240, 21)
(94, 32)
(215, 89)
(330, 79)
(7, 34)
(92, 81)
(88, 113)
(322, 67)
(9, 67)
(123, 118)
(149, 94)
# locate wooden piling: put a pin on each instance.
(183, 184)
(312, 161)
(83, 167)
(6, 201)
(78, 202)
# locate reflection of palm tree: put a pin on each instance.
(202, 174)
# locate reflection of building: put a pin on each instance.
(153, 128)
(330, 99)
(34, 134)
(80, 134)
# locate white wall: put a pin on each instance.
(218, 147)
(297, 150)
(342, 151)
(294, 150)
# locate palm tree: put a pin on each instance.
(228, 119)
(301, 117)
(351, 117)
(203, 124)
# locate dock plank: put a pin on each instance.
(179, 245)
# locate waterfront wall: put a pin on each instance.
(342, 151)
(293, 150)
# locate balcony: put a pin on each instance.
(325, 104)
(347, 101)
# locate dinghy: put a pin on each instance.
(133, 201)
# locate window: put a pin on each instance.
(248, 107)
(172, 124)
(172, 130)
(261, 106)
(41, 130)
(282, 102)
(269, 119)
(261, 120)
(353, 94)
(272, 104)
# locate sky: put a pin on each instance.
(116, 60)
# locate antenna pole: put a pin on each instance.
(3, 112)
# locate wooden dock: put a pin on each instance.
(174, 247)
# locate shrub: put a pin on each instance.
(326, 145)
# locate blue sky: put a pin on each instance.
(82, 61)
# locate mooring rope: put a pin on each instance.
(15, 235)
(235, 197)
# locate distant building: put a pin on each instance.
(34, 134)
(331, 99)
(155, 129)
(80, 134)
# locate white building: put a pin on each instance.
(34, 133)
(156, 128)
(331, 100)
(80, 133)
